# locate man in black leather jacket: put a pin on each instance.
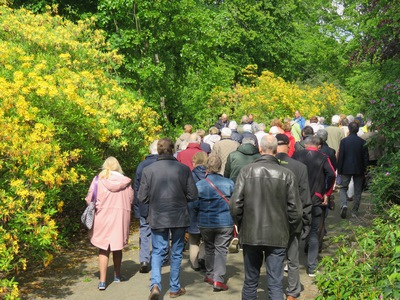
(266, 207)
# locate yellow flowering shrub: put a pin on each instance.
(271, 97)
(61, 114)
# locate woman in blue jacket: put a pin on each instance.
(215, 221)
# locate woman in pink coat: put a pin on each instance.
(110, 230)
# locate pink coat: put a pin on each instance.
(113, 212)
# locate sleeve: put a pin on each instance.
(294, 205)
(144, 188)
(227, 171)
(88, 197)
(304, 191)
(330, 176)
(136, 184)
(236, 202)
(191, 188)
(340, 157)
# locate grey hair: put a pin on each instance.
(269, 144)
(248, 140)
(323, 134)
(260, 127)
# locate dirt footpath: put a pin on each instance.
(74, 275)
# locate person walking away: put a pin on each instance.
(140, 211)
(186, 156)
(245, 154)
(266, 207)
(224, 147)
(110, 232)
(215, 221)
(196, 246)
(167, 186)
(352, 163)
(321, 178)
(300, 170)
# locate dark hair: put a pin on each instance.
(313, 119)
(307, 131)
(353, 127)
(344, 122)
(165, 146)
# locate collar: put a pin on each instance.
(166, 157)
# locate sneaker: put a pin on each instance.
(313, 274)
(208, 280)
(343, 212)
(102, 286)
(233, 246)
(119, 279)
(219, 286)
(286, 268)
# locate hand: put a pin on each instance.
(305, 232)
(326, 198)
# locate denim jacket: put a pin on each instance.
(211, 209)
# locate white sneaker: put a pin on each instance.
(233, 246)
(286, 268)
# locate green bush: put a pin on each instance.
(366, 264)
(62, 111)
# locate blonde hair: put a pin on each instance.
(110, 164)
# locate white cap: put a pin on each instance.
(274, 130)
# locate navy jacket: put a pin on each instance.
(140, 208)
(353, 156)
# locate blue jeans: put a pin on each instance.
(160, 242)
(358, 187)
(253, 260)
(145, 240)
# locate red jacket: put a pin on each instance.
(186, 155)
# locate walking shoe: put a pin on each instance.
(155, 293)
(233, 246)
(181, 292)
(144, 267)
(202, 263)
(119, 279)
(313, 274)
(208, 280)
(102, 286)
(343, 212)
(219, 286)
(286, 268)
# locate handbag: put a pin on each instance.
(87, 217)
(226, 200)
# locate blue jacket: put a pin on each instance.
(140, 208)
(211, 209)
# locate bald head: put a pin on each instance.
(268, 145)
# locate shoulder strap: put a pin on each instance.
(94, 194)
(218, 191)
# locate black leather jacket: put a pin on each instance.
(265, 203)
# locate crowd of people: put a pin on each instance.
(238, 187)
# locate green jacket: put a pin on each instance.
(244, 155)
